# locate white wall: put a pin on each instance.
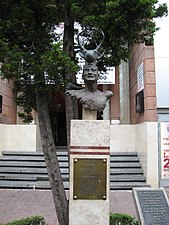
(122, 138)
(143, 139)
(19, 138)
(161, 48)
(146, 144)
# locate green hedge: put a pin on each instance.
(34, 220)
(115, 219)
(122, 219)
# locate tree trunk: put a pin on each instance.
(71, 113)
(68, 47)
(49, 150)
(68, 38)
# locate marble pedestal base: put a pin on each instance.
(90, 140)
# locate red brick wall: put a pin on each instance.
(115, 99)
(145, 54)
(8, 115)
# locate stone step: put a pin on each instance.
(116, 154)
(121, 178)
(29, 184)
(127, 185)
(5, 176)
(63, 158)
(64, 152)
(46, 184)
(125, 165)
(124, 159)
(29, 164)
(29, 158)
(64, 164)
(113, 178)
(28, 170)
(127, 171)
(60, 152)
(16, 153)
(23, 178)
(66, 177)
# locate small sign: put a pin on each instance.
(140, 102)
(164, 130)
(0, 103)
(90, 179)
(152, 205)
(140, 77)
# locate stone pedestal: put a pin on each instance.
(89, 172)
(89, 115)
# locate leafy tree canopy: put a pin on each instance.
(27, 36)
(122, 21)
(29, 52)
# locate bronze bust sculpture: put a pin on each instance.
(90, 97)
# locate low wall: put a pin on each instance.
(143, 139)
(19, 138)
(122, 138)
(146, 143)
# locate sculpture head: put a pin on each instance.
(90, 72)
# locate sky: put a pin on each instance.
(161, 48)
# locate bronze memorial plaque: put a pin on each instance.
(90, 179)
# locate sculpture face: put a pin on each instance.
(90, 72)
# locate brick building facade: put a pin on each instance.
(8, 114)
(139, 54)
(143, 54)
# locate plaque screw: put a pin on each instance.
(104, 160)
(75, 160)
(104, 197)
(75, 197)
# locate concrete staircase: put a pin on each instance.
(125, 171)
(28, 170)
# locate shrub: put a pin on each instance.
(122, 219)
(34, 220)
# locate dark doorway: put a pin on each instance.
(62, 139)
(58, 121)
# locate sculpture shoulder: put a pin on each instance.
(108, 94)
(75, 93)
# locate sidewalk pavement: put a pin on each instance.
(20, 203)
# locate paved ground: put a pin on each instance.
(17, 204)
